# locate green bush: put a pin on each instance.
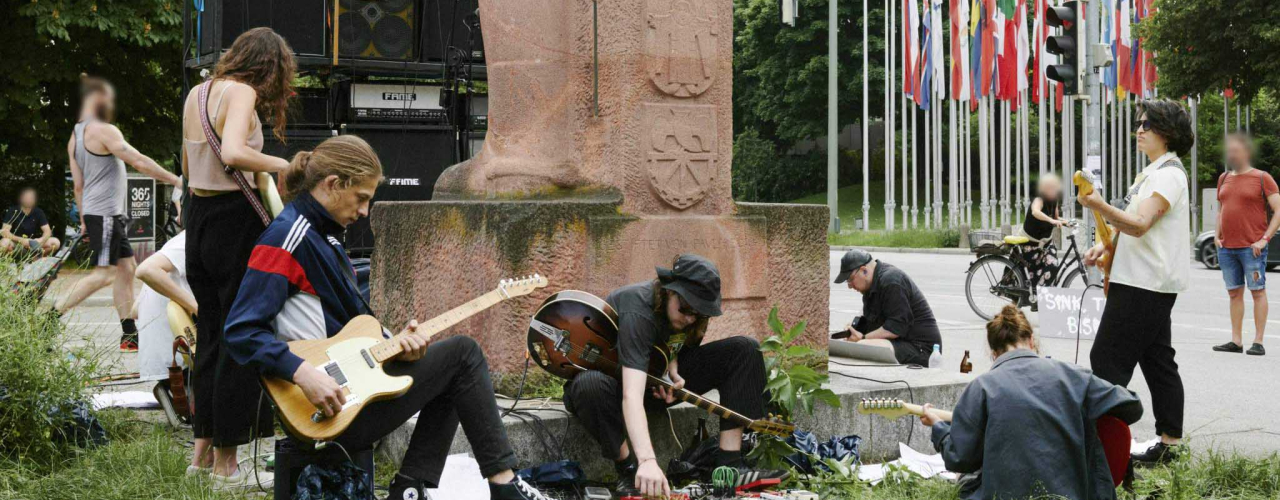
(41, 377)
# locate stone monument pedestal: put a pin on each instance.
(444, 253)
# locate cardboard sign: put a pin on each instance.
(1068, 312)
(141, 208)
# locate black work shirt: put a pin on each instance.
(1030, 426)
(639, 328)
(24, 225)
(894, 303)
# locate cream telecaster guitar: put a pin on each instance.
(1085, 184)
(354, 358)
(896, 408)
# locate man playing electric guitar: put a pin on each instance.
(672, 310)
(300, 285)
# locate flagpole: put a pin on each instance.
(1195, 166)
(1006, 164)
(982, 164)
(890, 142)
(833, 130)
(1026, 151)
(953, 177)
(1068, 150)
(1051, 134)
(866, 127)
(928, 159)
(968, 165)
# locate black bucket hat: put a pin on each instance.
(852, 260)
(697, 281)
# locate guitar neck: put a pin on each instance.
(918, 410)
(390, 348)
(706, 404)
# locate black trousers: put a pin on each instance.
(450, 385)
(221, 233)
(1135, 330)
(734, 366)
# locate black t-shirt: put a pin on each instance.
(896, 304)
(1037, 228)
(25, 225)
(638, 328)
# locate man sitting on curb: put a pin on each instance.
(894, 312)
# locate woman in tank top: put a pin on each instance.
(223, 225)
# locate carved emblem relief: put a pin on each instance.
(680, 151)
(681, 46)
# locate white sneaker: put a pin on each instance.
(193, 471)
(243, 480)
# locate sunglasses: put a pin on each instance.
(1144, 124)
(688, 310)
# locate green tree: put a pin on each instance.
(1208, 45)
(46, 44)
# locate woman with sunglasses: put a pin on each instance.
(672, 310)
(1149, 269)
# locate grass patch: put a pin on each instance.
(909, 238)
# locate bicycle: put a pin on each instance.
(999, 276)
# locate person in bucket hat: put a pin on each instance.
(672, 312)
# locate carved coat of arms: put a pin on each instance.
(681, 47)
(680, 151)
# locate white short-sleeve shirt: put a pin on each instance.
(1159, 261)
(155, 339)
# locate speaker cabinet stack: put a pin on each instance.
(378, 29)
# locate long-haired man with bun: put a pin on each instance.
(1150, 267)
(97, 153)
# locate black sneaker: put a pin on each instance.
(1256, 350)
(517, 489)
(626, 470)
(129, 343)
(406, 489)
(1229, 347)
(1157, 454)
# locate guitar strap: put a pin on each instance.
(216, 146)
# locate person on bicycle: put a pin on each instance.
(1044, 214)
(895, 313)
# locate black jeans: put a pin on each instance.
(733, 365)
(1135, 330)
(221, 233)
(450, 385)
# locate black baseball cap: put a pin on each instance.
(852, 260)
(697, 281)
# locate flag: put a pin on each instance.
(1107, 35)
(1024, 48)
(1007, 86)
(924, 66)
(1042, 33)
(960, 73)
(937, 57)
(910, 30)
(1123, 45)
(987, 65)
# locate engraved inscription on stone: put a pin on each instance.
(680, 151)
(681, 46)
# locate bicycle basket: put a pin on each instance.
(978, 239)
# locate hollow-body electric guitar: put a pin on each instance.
(1084, 183)
(574, 332)
(354, 358)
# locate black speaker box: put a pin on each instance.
(302, 23)
(293, 456)
(297, 139)
(452, 23)
(413, 157)
(378, 29)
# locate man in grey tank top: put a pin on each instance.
(98, 152)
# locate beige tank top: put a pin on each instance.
(203, 167)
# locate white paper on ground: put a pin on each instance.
(128, 399)
(925, 465)
(461, 480)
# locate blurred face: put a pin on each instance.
(1237, 154)
(680, 313)
(860, 280)
(1149, 142)
(28, 198)
(1050, 188)
(345, 204)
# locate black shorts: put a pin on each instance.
(911, 353)
(108, 239)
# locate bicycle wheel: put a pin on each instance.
(1077, 279)
(993, 282)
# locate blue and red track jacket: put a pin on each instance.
(299, 285)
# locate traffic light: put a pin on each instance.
(1069, 46)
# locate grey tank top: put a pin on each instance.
(104, 179)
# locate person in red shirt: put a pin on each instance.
(1244, 194)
